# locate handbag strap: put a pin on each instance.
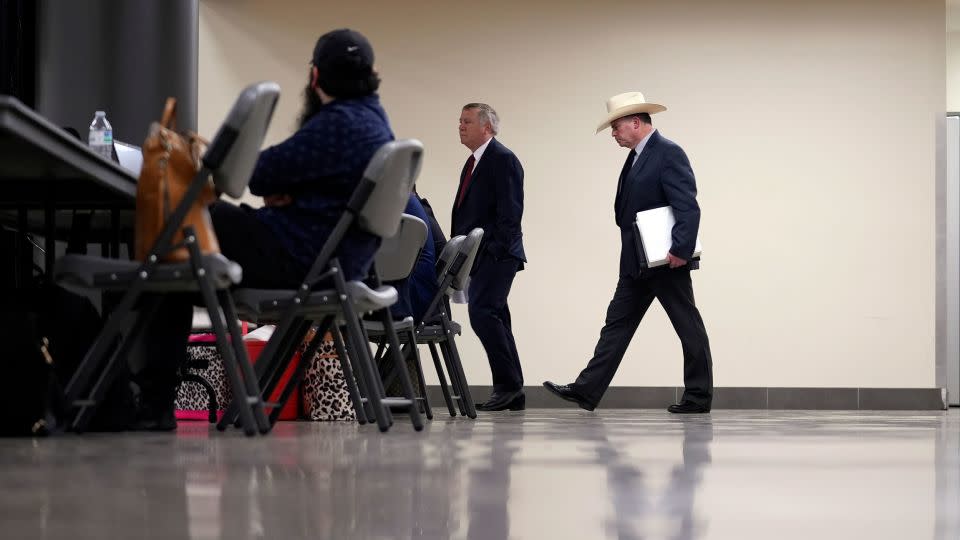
(169, 119)
(193, 135)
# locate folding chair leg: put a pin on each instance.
(91, 362)
(229, 415)
(411, 349)
(387, 372)
(83, 417)
(245, 394)
(443, 379)
(457, 371)
(263, 371)
(400, 365)
(455, 383)
(281, 355)
(113, 330)
(368, 371)
(359, 343)
(301, 369)
(94, 359)
(364, 340)
(243, 360)
(280, 362)
(348, 376)
(359, 375)
(244, 401)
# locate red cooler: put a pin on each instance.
(292, 409)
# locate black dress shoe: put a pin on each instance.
(688, 407)
(505, 401)
(151, 417)
(564, 391)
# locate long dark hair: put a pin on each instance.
(347, 78)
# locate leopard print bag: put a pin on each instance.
(323, 393)
(324, 388)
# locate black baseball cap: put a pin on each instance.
(343, 52)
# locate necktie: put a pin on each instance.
(627, 165)
(468, 173)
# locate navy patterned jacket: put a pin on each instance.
(319, 166)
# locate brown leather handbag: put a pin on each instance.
(170, 163)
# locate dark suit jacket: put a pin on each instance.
(494, 202)
(661, 176)
(436, 231)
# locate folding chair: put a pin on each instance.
(374, 207)
(395, 261)
(230, 159)
(437, 329)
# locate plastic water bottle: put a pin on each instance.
(101, 136)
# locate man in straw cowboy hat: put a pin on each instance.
(656, 173)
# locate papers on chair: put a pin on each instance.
(260, 334)
(201, 320)
(462, 296)
(130, 156)
(655, 232)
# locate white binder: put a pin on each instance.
(655, 235)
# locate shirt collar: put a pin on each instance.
(643, 143)
(478, 153)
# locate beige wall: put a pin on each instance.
(810, 126)
(953, 70)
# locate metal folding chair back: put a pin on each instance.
(230, 159)
(468, 251)
(375, 206)
(438, 330)
(399, 254)
(233, 153)
(447, 256)
(395, 261)
(393, 171)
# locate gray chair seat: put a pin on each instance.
(84, 272)
(260, 305)
(435, 331)
(375, 328)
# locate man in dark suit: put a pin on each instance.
(656, 173)
(490, 196)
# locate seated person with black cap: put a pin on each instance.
(305, 182)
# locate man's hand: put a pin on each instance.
(675, 262)
(277, 200)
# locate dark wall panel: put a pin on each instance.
(123, 57)
(18, 49)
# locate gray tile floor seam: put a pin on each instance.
(542, 473)
(777, 398)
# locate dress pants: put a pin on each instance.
(633, 296)
(490, 318)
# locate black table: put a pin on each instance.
(46, 175)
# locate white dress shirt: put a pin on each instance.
(478, 153)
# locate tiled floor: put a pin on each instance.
(542, 474)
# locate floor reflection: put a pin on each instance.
(558, 474)
(637, 510)
(488, 491)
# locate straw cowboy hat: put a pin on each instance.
(626, 104)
